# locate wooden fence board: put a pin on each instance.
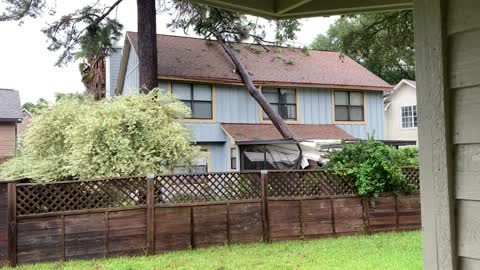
(172, 229)
(382, 216)
(348, 216)
(245, 223)
(317, 219)
(284, 220)
(210, 225)
(39, 240)
(3, 224)
(85, 236)
(127, 234)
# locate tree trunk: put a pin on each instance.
(276, 119)
(93, 77)
(147, 44)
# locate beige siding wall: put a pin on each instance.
(7, 140)
(463, 29)
(404, 96)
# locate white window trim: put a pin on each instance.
(413, 121)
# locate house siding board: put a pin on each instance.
(205, 132)
(463, 28)
(132, 74)
(235, 105)
(315, 106)
(374, 119)
(219, 157)
(112, 70)
(7, 140)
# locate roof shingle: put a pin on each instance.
(194, 58)
(10, 107)
(268, 132)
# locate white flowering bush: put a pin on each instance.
(80, 138)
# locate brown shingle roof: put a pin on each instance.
(267, 132)
(194, 58)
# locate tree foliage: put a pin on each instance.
(374, 165)
(382, 42)
(36, 108)
(80, 138)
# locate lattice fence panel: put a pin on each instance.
(309, 183)
(183, 188)
(79, 195)
(413, 175)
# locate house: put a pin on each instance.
(447, 38)
(10, 116)
(401, 112)
(23, 126)
(324, 95)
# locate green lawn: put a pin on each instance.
(381, 251)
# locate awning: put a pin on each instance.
(265, 133)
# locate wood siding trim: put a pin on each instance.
(436, 172)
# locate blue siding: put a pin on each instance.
(315, 106)
(203, 132)
(219, 157)
(374, 118)
(132, 74)
(235, 105)
(112, 70)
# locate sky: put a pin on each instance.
(28, 66)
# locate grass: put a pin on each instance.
(380, 251)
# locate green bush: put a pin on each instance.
(373, 165)
(407, 156)
(80, 138)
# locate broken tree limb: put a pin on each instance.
(277, 120)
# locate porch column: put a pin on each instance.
(435, 138)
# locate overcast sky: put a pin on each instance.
(27, 65)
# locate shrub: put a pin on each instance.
(80, 138)
(407, 156)
(373, 165)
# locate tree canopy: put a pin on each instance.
(382, 42)
(79, 138)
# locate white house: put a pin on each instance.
(400, 113)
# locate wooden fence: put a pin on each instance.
(149, 215)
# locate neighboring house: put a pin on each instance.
(10, 116)
(324, 95)
(23, 126)
(401, 112)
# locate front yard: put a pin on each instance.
(380, 251)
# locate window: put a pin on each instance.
(200, 167)
(409, 116)
(198, 97)
(233, 158)
(349, 106)
(283, 101)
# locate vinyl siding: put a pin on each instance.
(112, 70)
(316, 108)
(463, 28)
(406, 95)
(132, 75)
(235, 105)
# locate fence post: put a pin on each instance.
(265, 216)
(12, 223)
(151, 214)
